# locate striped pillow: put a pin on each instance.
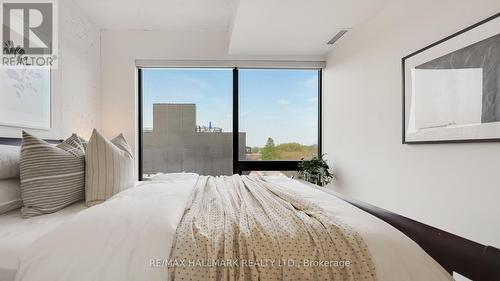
(109, 166)
(52, 177)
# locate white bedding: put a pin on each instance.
(17, 234)
(119, 239)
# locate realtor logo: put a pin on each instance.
(28, 33)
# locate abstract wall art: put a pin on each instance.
(451, 89)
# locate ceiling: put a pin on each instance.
(256, 27)
(295, 27)
(211, 15)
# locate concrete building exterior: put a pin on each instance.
(176, 144)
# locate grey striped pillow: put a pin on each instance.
(109, 166)
(52, 177)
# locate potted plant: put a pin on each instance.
(315, 171)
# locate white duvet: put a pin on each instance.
(126, 237)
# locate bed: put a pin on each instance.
(133, 235)
(17, 234)
(121, 238)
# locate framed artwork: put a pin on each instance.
(451, 89)
(25, 97)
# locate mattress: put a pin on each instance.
(123, 238)
(16, 234)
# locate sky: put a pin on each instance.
(282, 104)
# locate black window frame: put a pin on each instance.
(239, 166)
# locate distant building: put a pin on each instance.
(253, 156)
(177, 144)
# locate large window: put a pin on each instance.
(279, 113)
(188, 115)
(187, 121)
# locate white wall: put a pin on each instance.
(75, 83)
(455, 187)
(80, 72)
(120, 49)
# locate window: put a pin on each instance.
(279, 113)
(187, 121)
(188, 116)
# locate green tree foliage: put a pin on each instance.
(287, 151)
(295, 151)
(269, 151)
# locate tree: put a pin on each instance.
(286, 151)
(270, 142)
(269, 152)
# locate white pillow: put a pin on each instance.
(10, 195)
(109, 168)
(9, 161)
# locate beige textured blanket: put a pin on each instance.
(244, 228)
